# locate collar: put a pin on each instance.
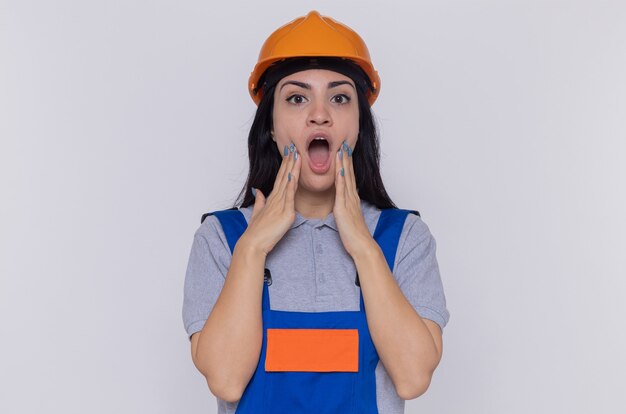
(369, 212)
(329, 221)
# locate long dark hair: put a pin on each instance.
(265, 157)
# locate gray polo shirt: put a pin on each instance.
(324, 280)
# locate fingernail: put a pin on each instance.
(254, 192)
(349, 151)
(342, 171)
(295, 155)
(286, 151)
(340, 154)
(345, 145)
(292, 147)
(288, 176)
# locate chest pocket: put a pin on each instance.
(312, 350)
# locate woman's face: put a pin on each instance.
(317, 110)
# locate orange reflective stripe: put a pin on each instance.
(312, 350)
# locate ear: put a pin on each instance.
(272, 134)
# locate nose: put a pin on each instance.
(319, 114)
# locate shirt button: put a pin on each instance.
(321, 277)
(319, 248)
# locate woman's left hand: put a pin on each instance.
(355, 235)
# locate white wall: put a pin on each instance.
(503, 122)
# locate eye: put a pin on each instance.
(296, 99)
(341, 99)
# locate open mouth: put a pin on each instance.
(319, 151)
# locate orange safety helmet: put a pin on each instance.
(313, 35)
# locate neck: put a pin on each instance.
(314, 204)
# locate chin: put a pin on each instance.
(318, 183)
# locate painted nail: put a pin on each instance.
(345, 145)
(286, 151)
(295, 155)
(288, 176)
(292, 147)
(349, 151)
(342, 171)
(254, 192)
(340, 153)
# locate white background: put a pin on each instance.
(122, 122)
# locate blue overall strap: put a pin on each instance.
(387, 234)
(388, 230)
(233, 223)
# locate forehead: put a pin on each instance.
(316, 77)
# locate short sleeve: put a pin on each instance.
(208, 264)
(417, 271)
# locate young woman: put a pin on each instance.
(315, 293)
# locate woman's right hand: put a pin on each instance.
(273, 216)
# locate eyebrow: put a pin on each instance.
(308, 86)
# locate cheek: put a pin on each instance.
(350, 117)
(286, 128)
(351, 122)
(283, 119)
